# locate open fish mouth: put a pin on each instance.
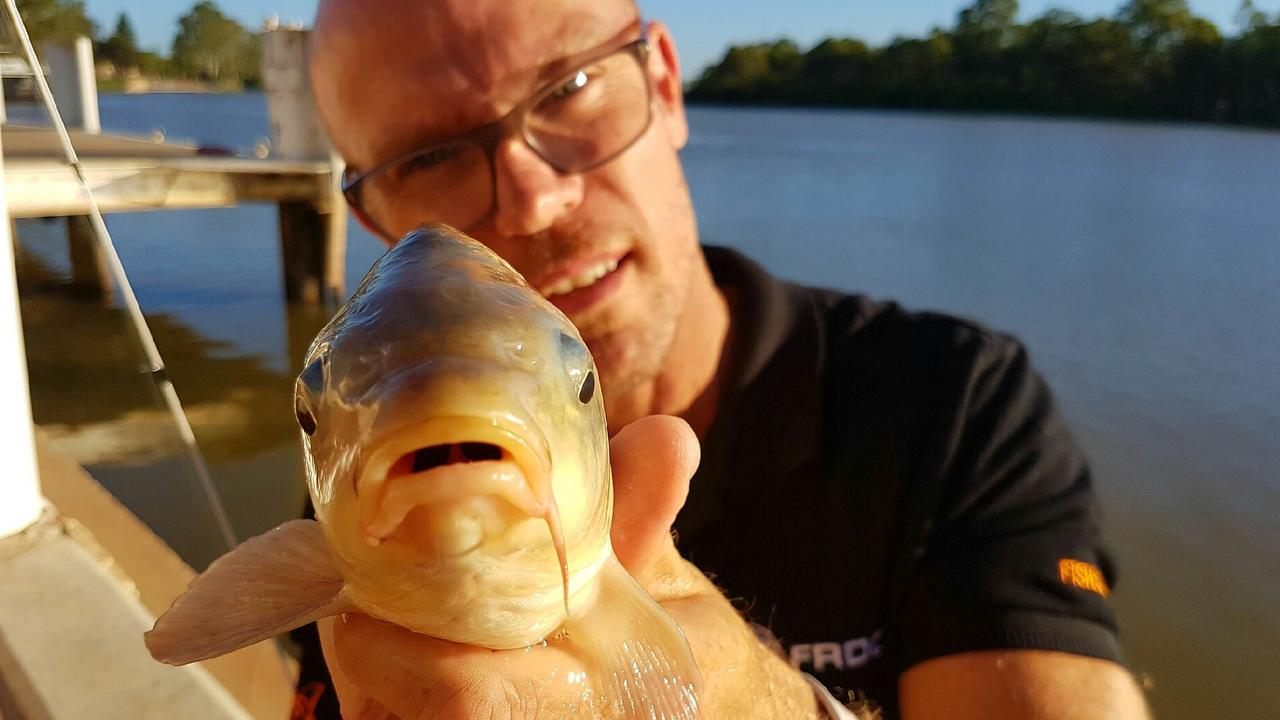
(477, 465)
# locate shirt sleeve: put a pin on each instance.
(1012, 557)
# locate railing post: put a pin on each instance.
(20, 500)
(313, 235)
(74, 85)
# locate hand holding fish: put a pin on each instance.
(383, 670)
(458, 460)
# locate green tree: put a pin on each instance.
(121, 47)
(1157, 25)
(915, 72)
(211, 46)
(838, 71)
(1253, 75)
(153, 65)
(754, 72)
(982, 34)
(1249, 16)
(1154, 58)
(1068, 65)
(251, 61)
(55, 20)
(990, 18)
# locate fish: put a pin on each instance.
(457, 458)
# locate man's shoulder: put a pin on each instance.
(850, 343)
(860, 329)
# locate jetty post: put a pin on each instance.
(313, 234)
(75, 91)
(74, 83)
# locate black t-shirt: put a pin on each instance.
(882, 487)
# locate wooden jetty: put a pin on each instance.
(81, 578)
(131, 174)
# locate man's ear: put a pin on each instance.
(664, 69)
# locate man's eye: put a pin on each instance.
(429, 159)
(573, 85)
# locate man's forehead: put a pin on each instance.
(429, 69)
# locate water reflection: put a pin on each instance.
(90, 394)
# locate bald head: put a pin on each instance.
(369, 57)
(614, 245)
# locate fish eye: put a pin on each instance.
(588, 389)
(306, 420)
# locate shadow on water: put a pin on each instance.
(91, 395)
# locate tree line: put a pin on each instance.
(208, 46)
(1153, 59)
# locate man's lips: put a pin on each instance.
(596, 280)
(578, 274)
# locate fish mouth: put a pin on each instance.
(447, 461)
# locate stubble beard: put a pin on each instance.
(633, 355)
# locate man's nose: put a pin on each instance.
(529, 193)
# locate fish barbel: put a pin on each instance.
(458, 460)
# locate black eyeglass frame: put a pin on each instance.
(486, 137)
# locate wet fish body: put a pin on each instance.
(457, 458)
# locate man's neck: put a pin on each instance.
(689, 384)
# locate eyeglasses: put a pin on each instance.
(584, 119)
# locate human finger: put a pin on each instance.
(653, 459)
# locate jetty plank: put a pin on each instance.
(46, 188)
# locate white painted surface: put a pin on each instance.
(20, 499)
(74, 85)
(74, 634)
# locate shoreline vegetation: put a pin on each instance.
(1154, 60)
(210, 51)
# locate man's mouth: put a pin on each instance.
(584, 278)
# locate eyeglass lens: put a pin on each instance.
(592, 116)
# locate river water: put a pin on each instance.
(1138, 262)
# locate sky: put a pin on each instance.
(703, 28)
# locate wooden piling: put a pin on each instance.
(90, 273)
(313, 235)
(75, 92)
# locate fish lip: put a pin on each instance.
(528, 452)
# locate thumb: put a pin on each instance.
(653, 459)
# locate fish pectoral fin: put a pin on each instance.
(637, 658)
(277, 581)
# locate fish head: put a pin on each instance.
(456, 446)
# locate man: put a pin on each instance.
(893, 495)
